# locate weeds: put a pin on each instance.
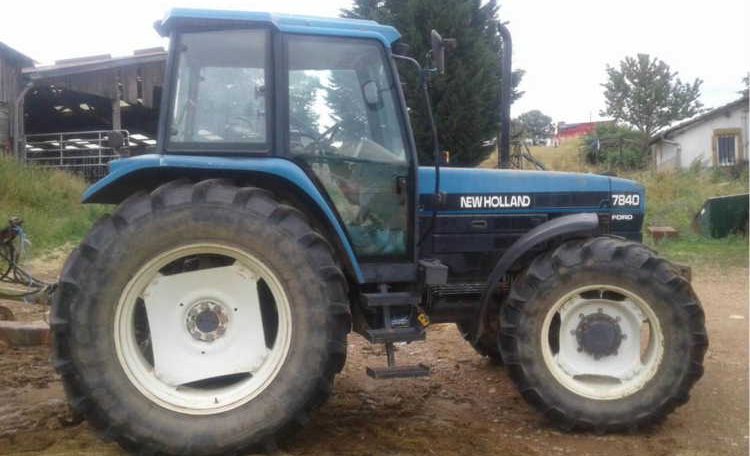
(48, 201)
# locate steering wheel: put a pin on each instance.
(320, 141)
(241, 126)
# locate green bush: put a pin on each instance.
(48, 201)
(614, 147)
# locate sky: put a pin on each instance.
(564, 46)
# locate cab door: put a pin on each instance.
(347, 129)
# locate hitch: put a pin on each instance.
(16, 283)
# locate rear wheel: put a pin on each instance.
(603, 334)
(200, 319)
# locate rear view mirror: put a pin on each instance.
(438, 51)
(371, 93)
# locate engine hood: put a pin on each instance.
(493, 190)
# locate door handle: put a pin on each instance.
(401, 189)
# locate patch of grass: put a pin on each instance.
(48, 201)
(566, 157)
(697, 251)
(675, 198)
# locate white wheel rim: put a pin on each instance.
(590, 373)
(203, 325)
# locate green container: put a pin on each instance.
(722, 216)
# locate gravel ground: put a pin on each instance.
(467, 407)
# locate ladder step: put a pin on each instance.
(418, 370)
(401, 298)
(383, 336)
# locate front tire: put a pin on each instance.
(488, 344)
(604, 335)
(154, 304)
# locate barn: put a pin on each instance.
(12, 63)
(62, 114)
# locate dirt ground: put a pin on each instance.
(467, 407)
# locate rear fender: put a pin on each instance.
(146, 172)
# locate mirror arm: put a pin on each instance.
(424, 75)
(437, 199)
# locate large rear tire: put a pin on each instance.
(155, 302)
(603, 334)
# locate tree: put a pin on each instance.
(465, 99)
(614, 146)
(303, 91)
(648, 95)
(535, 125)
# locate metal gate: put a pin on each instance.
(83, 152)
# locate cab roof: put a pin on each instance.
(288, 23)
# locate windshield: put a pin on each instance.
(220, 95)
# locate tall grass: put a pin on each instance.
(675, 198)
(566, 157)
(48, 201)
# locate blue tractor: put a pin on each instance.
(209, 313)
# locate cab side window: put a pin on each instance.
(220, 95)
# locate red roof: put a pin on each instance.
(576, 130)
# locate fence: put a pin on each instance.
(82, 152)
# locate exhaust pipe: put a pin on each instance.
(503, 134)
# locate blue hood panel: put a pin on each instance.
(493, 190)
(479, 180)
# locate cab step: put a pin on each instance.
(394, 371)
(384, 373)
(397, 329)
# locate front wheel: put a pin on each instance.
(488, 345)
(603, 334)
(200, 319)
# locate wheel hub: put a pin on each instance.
(207, 321)
(599, 335)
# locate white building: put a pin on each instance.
(716, 138)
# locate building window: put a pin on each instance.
(727, 149)
(727, 145)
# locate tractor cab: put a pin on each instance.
(320, 93)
